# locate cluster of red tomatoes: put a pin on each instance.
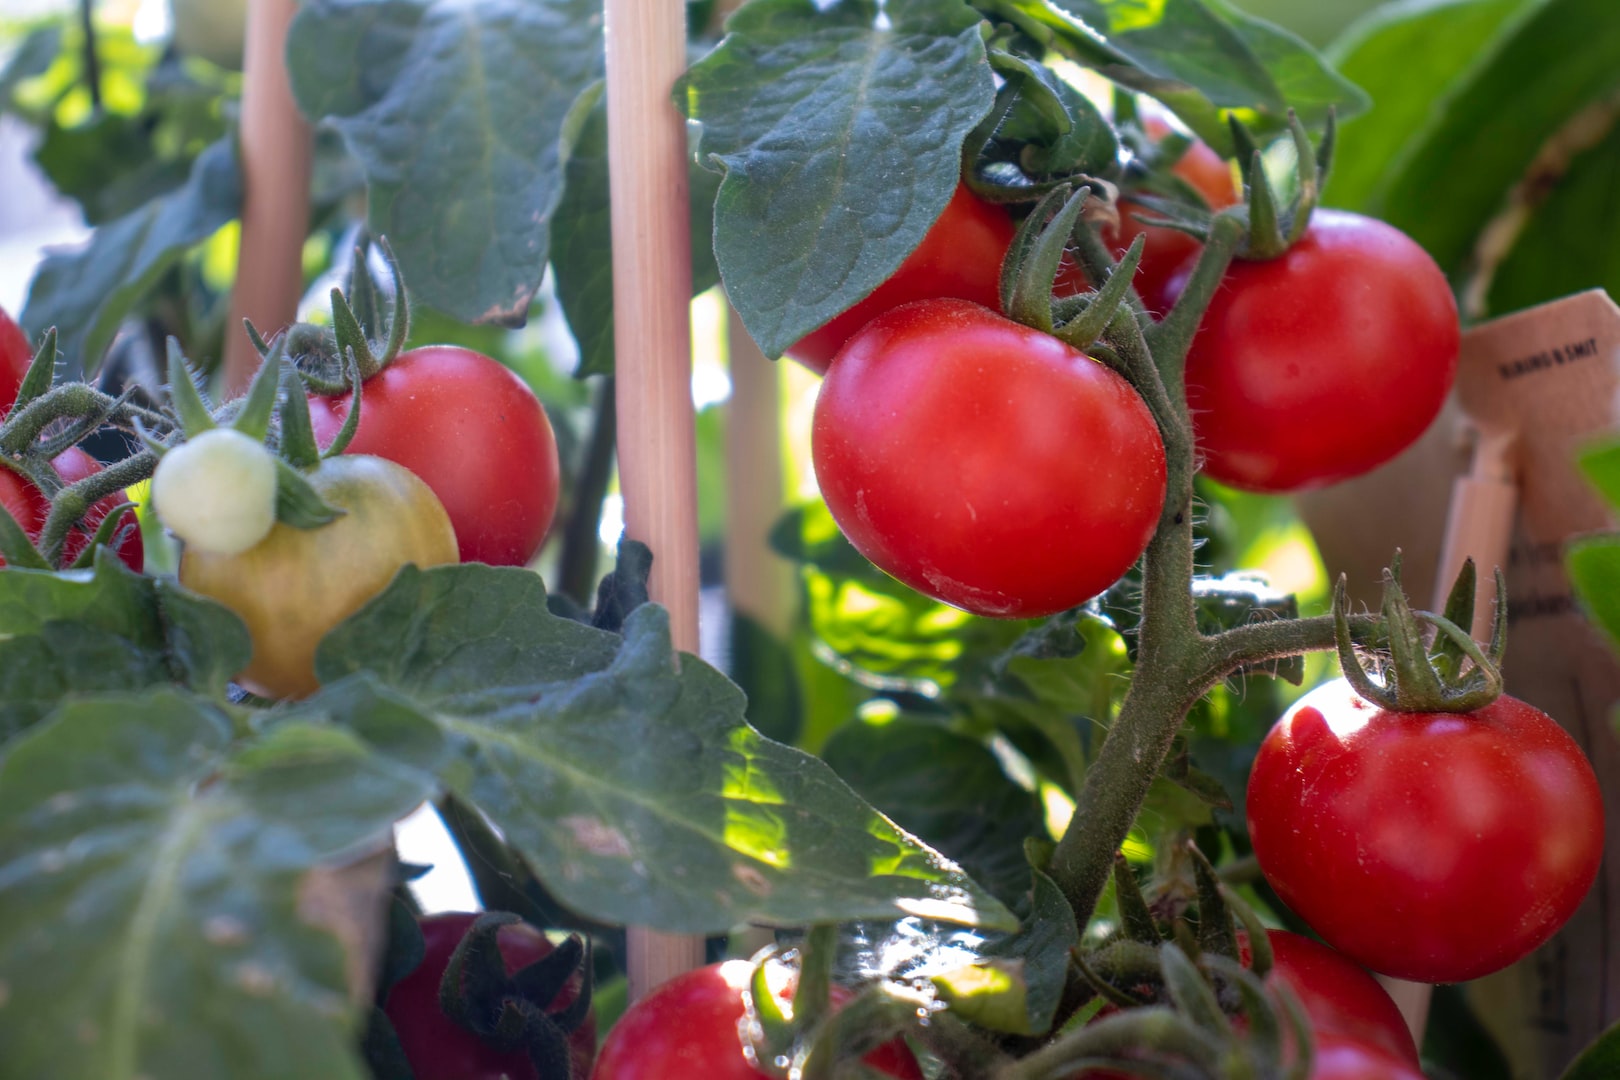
(988, 465)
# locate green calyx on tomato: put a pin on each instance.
(494, 999)
(468, 426)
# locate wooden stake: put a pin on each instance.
(759, 584)
(277, 149)
(652, 290)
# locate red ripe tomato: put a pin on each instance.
(960, 257)
(15, 356)
(691, 1028)
(475, 434)
(1340, 999)
(1324, 363)
(440, 1049)
(30, 508)
(985, 463)
(1435, 847)
(1338, 1058)
(1165, 250)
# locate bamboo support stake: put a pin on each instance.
(652, 289)
(758, 583)
(277, 148)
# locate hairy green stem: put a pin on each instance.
(72, 502)
(1172, 337)
(1176, 665)
(75, 401)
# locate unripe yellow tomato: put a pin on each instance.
(295, 585)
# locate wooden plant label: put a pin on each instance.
(1546, 381)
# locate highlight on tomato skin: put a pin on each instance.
(1324, 363)
(1440, 847)
(984, 463)
(959, 258)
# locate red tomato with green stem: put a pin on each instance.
(30, 508)
(959, 257)
(475, 434)
(984, 463)
(440, 1049)
(1323, 363)
(691, 1028)
(1437, 847)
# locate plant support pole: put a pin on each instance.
(277, 148)
(652, 291)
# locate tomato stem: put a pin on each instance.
(70, 504)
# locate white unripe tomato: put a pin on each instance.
(217, 492)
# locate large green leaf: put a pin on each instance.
(110, 630)
(1489, 129)
(1568, 243)
(1198, 56)
(1451, 36)
(462, 113)
(167, 900)
(840, 129)
(627, 777)
(86, 293)
(582, 244)
(948, 789)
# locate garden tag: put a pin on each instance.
(1533, 388)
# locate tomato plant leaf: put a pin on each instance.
(632, 787)
(1377, 53)
(582, 244)
(962, 802)
(1198, 57)
(164, 891)
(1566, 246)
(1497, 122)
(110, 630)
(1018, 984)
(462, 116)
(840, 134)
(86, 293)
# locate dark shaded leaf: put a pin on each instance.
(86, 293)
(462, 115)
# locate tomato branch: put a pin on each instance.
(76, 401)
(1172, 337)
(71, 503)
